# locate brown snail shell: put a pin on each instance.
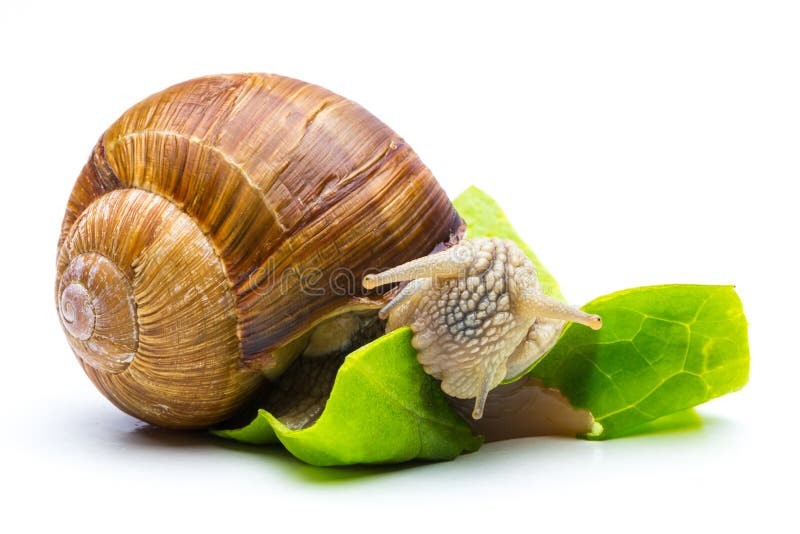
(188, 237)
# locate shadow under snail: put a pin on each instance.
(224, 227)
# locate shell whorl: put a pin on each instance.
(97, 307)
(146, 306)
(199, 213)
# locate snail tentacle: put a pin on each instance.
(540, 305)
(486, 385)
(447, 264)
(402, 300)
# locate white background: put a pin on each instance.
(631, 143)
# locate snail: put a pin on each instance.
(223, 227)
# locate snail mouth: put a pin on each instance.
(98, 312)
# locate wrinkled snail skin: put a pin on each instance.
(477, 313)
(186, 247)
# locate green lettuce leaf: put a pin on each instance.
(661, 350)
(383, 409)
(683, 420)
(484, 218)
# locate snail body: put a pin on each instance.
(217, 224)
(478, 314)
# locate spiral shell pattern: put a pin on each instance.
(188, 237)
